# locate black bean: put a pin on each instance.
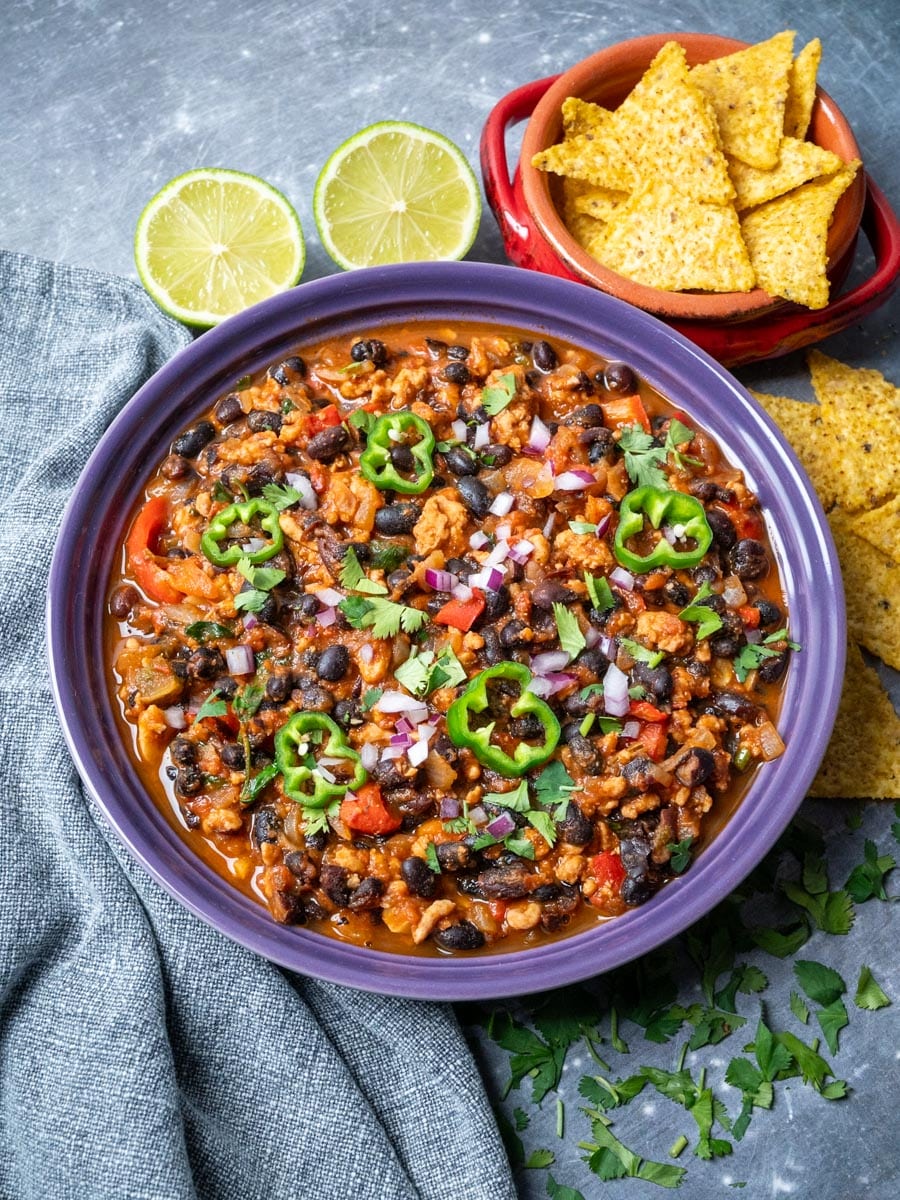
(417, 876)
(346, 712)
(315, 698)
(733, 704)
(265, 826)
(368, 895)
(301, 866)
(618, 377)
(511, 634)
(435, 347)
(454, 856)
(259, 419)
(307, 606)
(191, 442)
(459, 353)
(722, 528)
(475, 495)
(676, 592)
(333, 663)
(386, 773)
(528, 727)
(333, 881)
(456, 372)
(638, 774)
(575, 828)
(395, 519)
(278, 687)
(548, 592)
(402, 458)
(576, 705)
(460, 461)
(544, 357)
(748, 559)
(724, 646)
(462, 936)
(703, 489)
(315, 841)
(772, 669)
(229, 409)
(268, 611)
(637, 891)
(657, 680)
(289, 371)
(496, 603)
(232, 755)
(175, 466)
(189, 781)
(769, 614)
(589, 416)
(557, 912)
(503, 883)
(123, 600)
(695, 767)
(713, 601)
(634, 852)
(371, 349)
(226, 687)
(205, 662)
(329, 443)
(183, 752)
(582, 750)
(492, 650)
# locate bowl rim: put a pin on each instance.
(94, 523)
(716, 306)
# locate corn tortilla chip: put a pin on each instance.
(797, 162)
(583, 227)
(787, 239)
(802, 89)
(861, 410)
(845, 772)
(600, 203)
(802, 425)
(666, 127)
(580, 116)
(871, 589)
(594, 157)
(748, 91)
(667, 240)
(881, 528)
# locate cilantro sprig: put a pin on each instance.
(645, 459)
(752, 656)
(384, 617)
(499, 395)
(706, 620)
(261, 580)
(424, 671)
(570, 636)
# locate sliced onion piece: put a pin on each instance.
(240, 660)
(174, 717)
(250, 621)
(550, 660)
(630, 730)
(548, 525)
(417, 753)
(608, 647)
(540, 687)
(460, 429)
(441, 581)
(574, 481)
(502, 532)
(482, 436)
(479, 539)
(503, 503)
(398, 702)
(770, 742)
(502, 825)
(391, 752)
(622, 578)
(326, 617)
(520, 551)
(366, 653)
(325, 773)
(615, 691)
(490, 579)
(559, 681)
(328, 597)
(477, 815)
(539, 437)
(733, 592)
(301, 483)
(368, 756)
(253, 544)
(603, 524)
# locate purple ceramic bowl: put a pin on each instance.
(94, 525)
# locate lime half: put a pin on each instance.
(212, 242)
(396, 192)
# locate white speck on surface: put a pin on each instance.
(782, 1187)
(648, 1110)
(484, 37)
(183, 122)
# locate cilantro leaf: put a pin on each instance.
(315, 820)
(681, 854)
(254, 784)
(831, 911)
(383, 617)
(500, 395)
(706, 620)
(281, 496)
(641, 654)
(211, 707)
(538, 1159)
(423, 672)
(600, 592)
(251, 601)
(362, 420)
(866, 881)
(832, 1019)
(354, 578)
(558, 1191)
(570, 636)
(543, 823)
(517, 799)
(895, 827)
(676, 435)
(868, 994)
(248, 700)
(751, 656)
(371, 697)
(798, 1008)
(582, 527)
(643, 458)
(200, 631)
(431, 859)
(820, 983)
(263, 578)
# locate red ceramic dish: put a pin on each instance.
(734, 327)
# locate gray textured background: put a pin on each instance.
(103, 102)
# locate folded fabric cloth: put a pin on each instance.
(142, 1054)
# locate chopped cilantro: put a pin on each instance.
(798, 1008)
(543, 823)
(820, 983)
(641, 654)
(706, 620)
(866, 881)
(423, 672)
(751, 656)
(431, 858)
(262, 578)
(868, 993)
(676, 435)
(570, 636)
(211, 707)
(681, 854)
(644, 459)
(371, 697)
(281, 496)
(895, 826)
(558, 1191)
(254, 784)
(242, 384)
(201, 631)
(494, 399)
(538, 1159)
(517, 799)
(354, 578)
(248, 700)
(600, 592)
(361, 420)
(316, 819)
(582, 527)
(383, 617)
(553, 787)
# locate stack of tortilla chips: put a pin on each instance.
(847, 444)
(702, 180)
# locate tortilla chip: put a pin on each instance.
(748, 91)
(881, 528)
(787, 239)
(583, 227)
(871, 589)
(861, 410)
(594, 157)
(802, 90)
(874, 773)
(599, 203)
(667, 129)
(802, 425)
(797, 162)
(580, 116)
(667, 240)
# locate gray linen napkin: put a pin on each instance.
(141, 1053)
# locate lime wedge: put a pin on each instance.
(212, 242)
(396, 192)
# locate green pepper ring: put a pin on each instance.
(296, 774)
(475, 699)
(243, 511)
(658, 504)
(375, 461)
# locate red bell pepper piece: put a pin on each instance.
(461, 614)
(140, 549)
(323, 419)
(366, 812)
(653, 737)
(629, 410)
(644, 711)
(747, 524)
(749, 614)
(607, 869)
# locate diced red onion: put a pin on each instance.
(615, 691)
(591, 637)
(459, 429)
(573, 481)
(490, 579)
(253, 544)
(548, 525)
(498, 555)
(482, 436)
(239, 660)
(477, 815)
(418, 714)
(502, 532)
(368, 756)
(538, 437)
(325, 773)
(608, 647)
(559, 682)
(404, 725)
(174, 717)
(441, 581)
(366, 653)
(501, 825)
(461, 592)
(502, 504)
(478, 539)
(417, 753)
(391, 752)
(250, 621)
(328, 597)
(550, 660)
(622, 578)
(326, 617)
(308, 497)
(449, 808)
(630, 730)
(733, 592)
(603, 524)
(540, 686)
(397, 702)
(427, 731)
(520, 551)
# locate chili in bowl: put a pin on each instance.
(455, 636)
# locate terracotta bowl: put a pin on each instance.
(606, 78)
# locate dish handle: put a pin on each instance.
(770, 337)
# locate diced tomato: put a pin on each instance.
(497, 909)
(747, 524)
(629, 410)
(654, 738)
(749, 614)
(461, 614)
(323, 419)
(140, 548)
(646, 711)
(366, 812)
(607, 869)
